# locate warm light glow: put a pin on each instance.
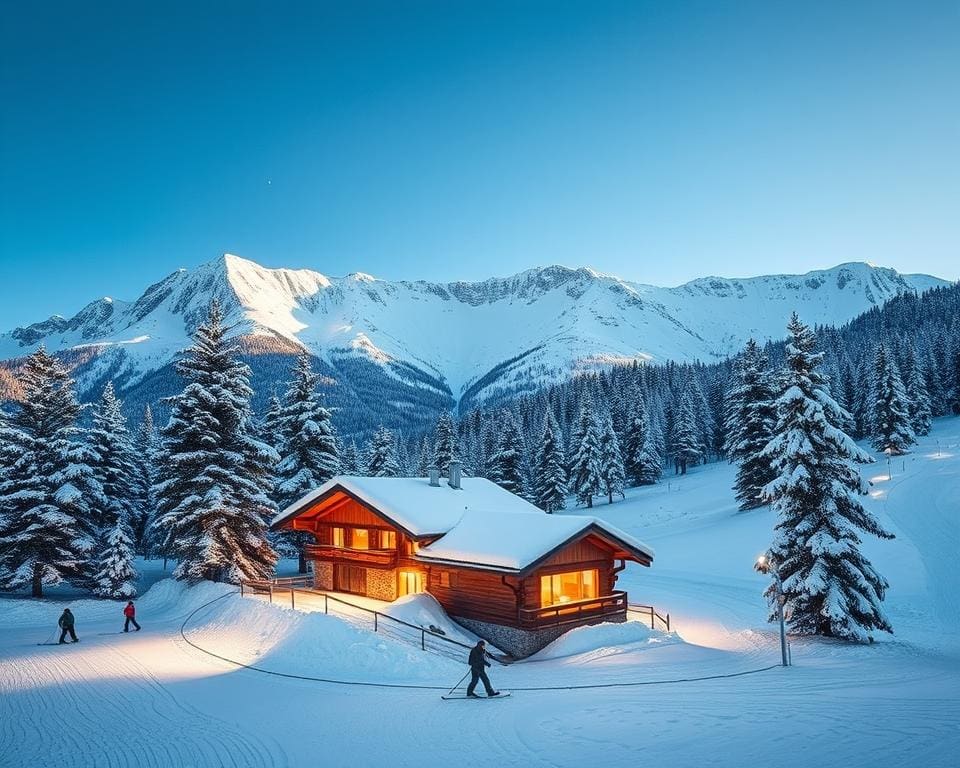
(567, 587)
(411, 582)
(359, 538)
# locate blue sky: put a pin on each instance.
(660, 141)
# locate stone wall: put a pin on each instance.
(322, 575)
(382, 585)
(521, 643)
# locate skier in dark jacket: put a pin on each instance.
(130, 612)
(478, 660)
(66, 625)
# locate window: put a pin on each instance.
(337, 537)
(568, 587)
(359, 538)
(443, 579)
(411, 582)
(388, 539)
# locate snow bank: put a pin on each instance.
(423, 610)
(607, 639)
(279, 639)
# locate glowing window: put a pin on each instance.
(411, 582)
(359, 538)
(337, 539)
(568, 587)
(388, 540)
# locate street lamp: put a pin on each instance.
(765, 565)
(889, 451)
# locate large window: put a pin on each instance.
(388, 539)
(559, 588)
(337, 537)
(359, 538)
(411, 582)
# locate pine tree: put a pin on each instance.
(116, 577)
(891, 430)
(213, 489)
(307, 440)
(426, 457)
(829, 586)
(508, 460)
(550, 478)
(641, 458)
(115, 467)
(49, 496)
(445, 443)
(919, 398)
(585, 473)
(146, 447)
(611, 462)
(749, 425)
(686, 445)
(383, 455)
(350, 459)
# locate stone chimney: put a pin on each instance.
(434, 476)
(454, 481)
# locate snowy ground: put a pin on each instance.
(150, 699)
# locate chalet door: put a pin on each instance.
(350, 578)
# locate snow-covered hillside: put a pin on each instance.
(612, 695)
(461, 340)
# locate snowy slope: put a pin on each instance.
(468, 340)
(150, 700)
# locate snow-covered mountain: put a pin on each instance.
(458, 341)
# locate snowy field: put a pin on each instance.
(151, 699)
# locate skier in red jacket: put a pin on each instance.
(131, 613)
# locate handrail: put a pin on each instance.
(652, 613)
(260, 584)
(602, 605)
(378, 556)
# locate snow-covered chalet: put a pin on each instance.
(497, 564)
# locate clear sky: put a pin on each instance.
(659, 141)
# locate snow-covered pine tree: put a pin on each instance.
(641, 459)
(891, 430)
(350, 459)
(146, 447)
(49, 496)
(611, 462)
(425, 460)
(116, 577)
(585, 474)
(829, 586)
(919, 399)
(686, 445)
(445, 442)
(213, 487)
(749, 425)
(308, 445)
(508, 461)
(383, 454)
(550, 474)
(115, 467)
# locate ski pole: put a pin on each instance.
(458, 682)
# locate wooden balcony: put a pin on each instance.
(575, 611)
(375, 558)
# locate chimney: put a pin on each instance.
(434, 476)
(454, 481)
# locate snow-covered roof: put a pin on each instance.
(512, 542)
(479, 524)
(415, 505)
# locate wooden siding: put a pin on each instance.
(582, 551)
(475, 594)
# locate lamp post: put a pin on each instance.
(889, 451)
(765, 565)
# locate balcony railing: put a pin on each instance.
(575, 611)
(382, 558)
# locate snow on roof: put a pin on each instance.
(480, 523)
(417, 506)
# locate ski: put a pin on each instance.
(501, 695)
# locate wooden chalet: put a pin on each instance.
(496, 563)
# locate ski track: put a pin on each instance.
(120, 715)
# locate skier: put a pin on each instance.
(130, 612)
(478, 660)
(66, 625)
